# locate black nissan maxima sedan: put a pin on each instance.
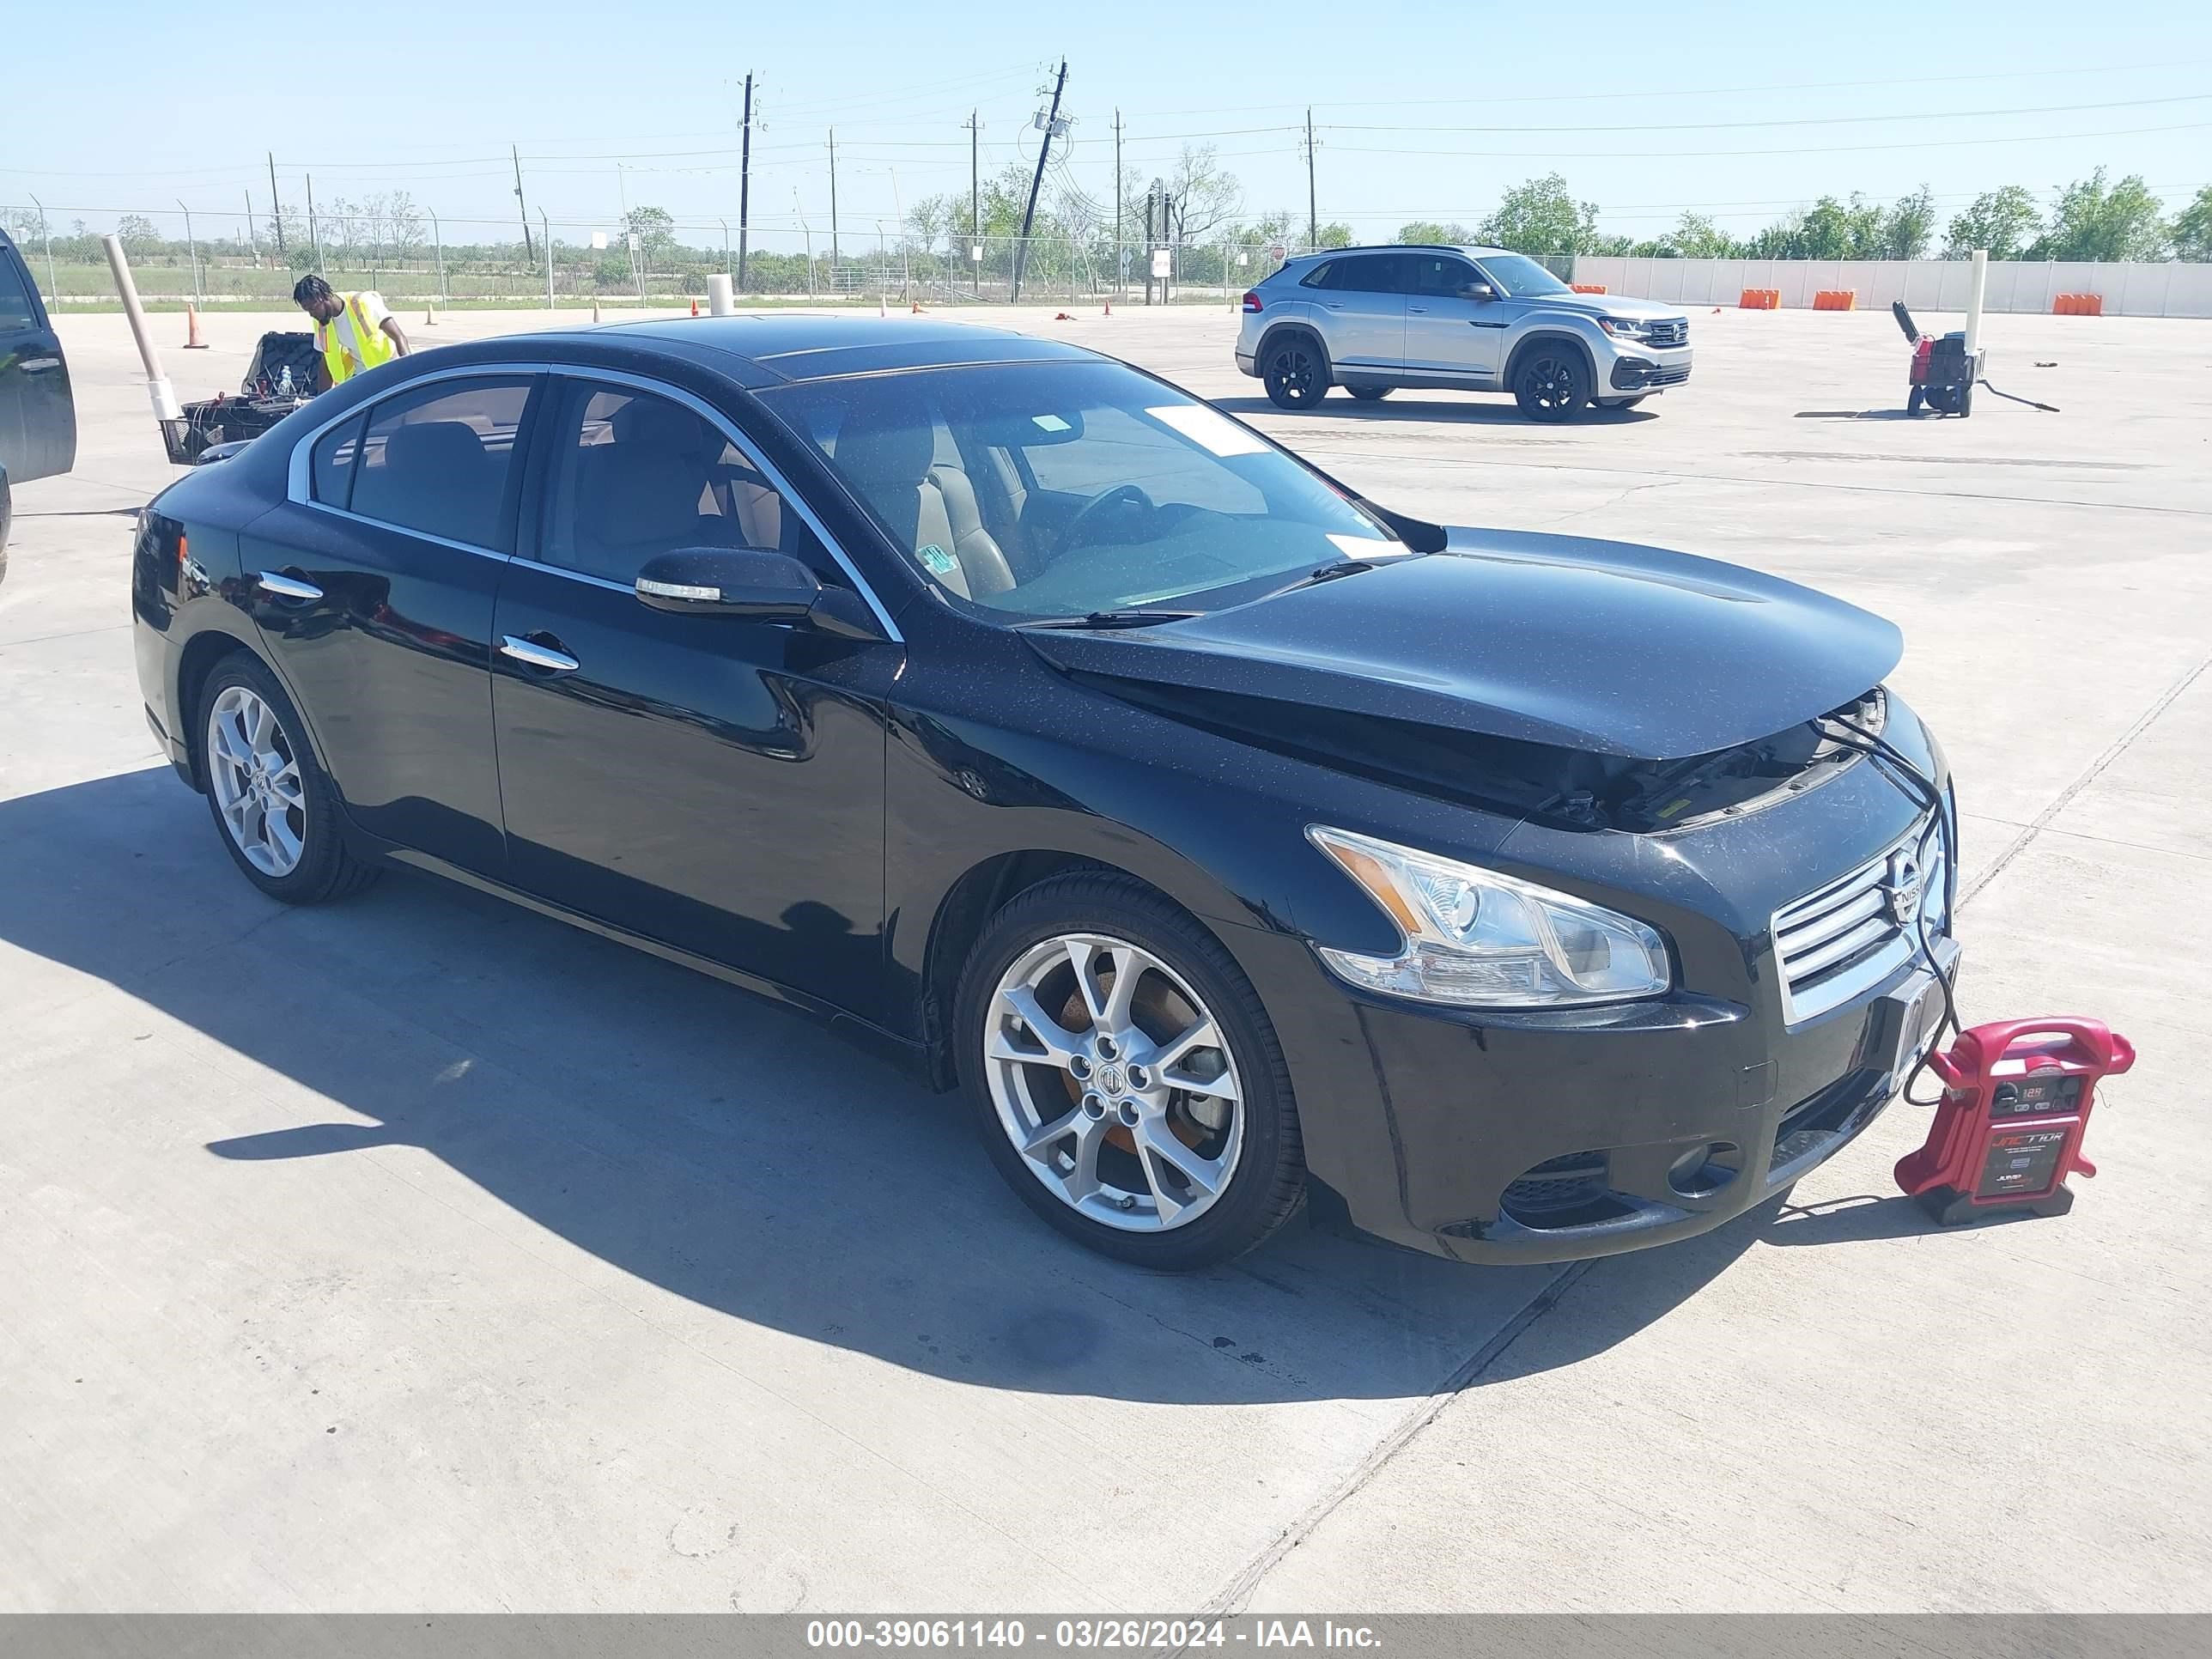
(1230, 840)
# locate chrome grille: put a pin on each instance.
(1668, 331)
(1844, 938)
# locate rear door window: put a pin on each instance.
(331, 463)
(1370, 273)
(438, 460)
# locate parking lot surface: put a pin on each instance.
(419, 1253)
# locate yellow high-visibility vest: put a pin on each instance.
(376, 346)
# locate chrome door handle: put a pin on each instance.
(40, 365)
(534, 655)
(287, 587)
(1419, 311)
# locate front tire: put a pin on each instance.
(274, 806)
(1127, 1081)
(1551, 382)
(1295, 371)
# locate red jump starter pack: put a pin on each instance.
(2007, 1131)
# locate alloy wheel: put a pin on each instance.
(255, 777)
(1113, 1082)
(1291, 375)
(1550, 382)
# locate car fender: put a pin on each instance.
(1290, 325)
(1552, 328)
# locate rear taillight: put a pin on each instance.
(1251, 300)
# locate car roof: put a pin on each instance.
(1475, 250)
(813, 345)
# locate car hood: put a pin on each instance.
(1609, 305)
(1601, 647)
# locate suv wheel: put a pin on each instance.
(1553, 382)
(1295, 371)
(275, 808)
(1128, 1082)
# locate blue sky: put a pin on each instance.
(1424, 110)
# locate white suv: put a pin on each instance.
(1371, 319)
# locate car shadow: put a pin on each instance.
(1864, 415)
(714, 1146)
(1411, 406)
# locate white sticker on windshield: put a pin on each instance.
(1361, 547)
(1203, 426)
(1049, 422)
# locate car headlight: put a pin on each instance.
(1625, 328)
(1478, 940)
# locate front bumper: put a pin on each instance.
(1642, 371)
(1557, 1136)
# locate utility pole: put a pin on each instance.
(833, 213)
(191, 243)
(975, 202)
(1313, 215)
(47, 235)
(314, 232)
(1151, 196)
(522, 207)
(1117, 204)
(251, 242)
(746, 183)
(276, 208)
(1050, 124)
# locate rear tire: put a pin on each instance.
(1295, 371)
(1370, 394)
(274, 806)
(1552, 381)
(1097, 1136)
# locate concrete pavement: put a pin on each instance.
(418, 1252)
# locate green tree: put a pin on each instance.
(1695, 237)
(1540, 215)
(1430, 232)
(1203, 195)
(2004, 221)
(137, 234)
(1336, 234)
(2092, 220)
(654, 228)
(1910, 227)
(2193, 229)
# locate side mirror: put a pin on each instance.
(740, 582)
(1478, 291)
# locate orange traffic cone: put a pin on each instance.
(429, 314)
(917, 307)
(1063, 317)
(695, 307)
(193, 341)
(595, 307)
(1108, 312)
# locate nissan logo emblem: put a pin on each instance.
(1903, 885)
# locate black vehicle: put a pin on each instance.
(1226, 837)
(37, 413)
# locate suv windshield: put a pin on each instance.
(1049, 490)
(1517, 276)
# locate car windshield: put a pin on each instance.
(1062, 489)
(1517, 276)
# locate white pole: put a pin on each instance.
(192, 245)
(1975, 283)
(158, 390)
(545, 235)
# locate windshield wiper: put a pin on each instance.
(1139, 618)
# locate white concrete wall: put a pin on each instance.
(2169, 288)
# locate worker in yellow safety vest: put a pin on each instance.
(353, 332)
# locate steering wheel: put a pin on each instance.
(1124, 495)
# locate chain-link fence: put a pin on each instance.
(225, 259)
(412, 255)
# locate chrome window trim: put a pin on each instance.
(299, 494)
(583, 576)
